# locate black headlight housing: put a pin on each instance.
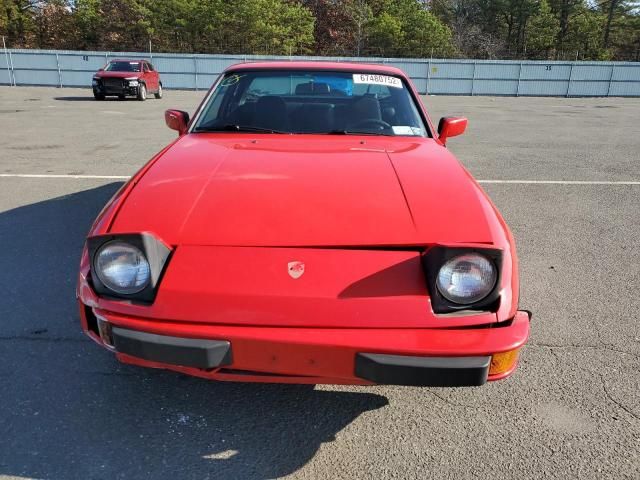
(435, 258)
(157, 255)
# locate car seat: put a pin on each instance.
(271, 112)
(366, 107)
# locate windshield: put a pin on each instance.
(313, 102)
(123, 67)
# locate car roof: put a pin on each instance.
(318, 65)
(127, 60)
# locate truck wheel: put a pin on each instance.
(158, 94)
(142, 92)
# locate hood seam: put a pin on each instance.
(404, 195)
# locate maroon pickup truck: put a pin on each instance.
(122, 78)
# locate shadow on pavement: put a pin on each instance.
(88, 98)
(69, 410)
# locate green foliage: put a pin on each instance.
(554, 29)
(17, 20)
(386, 33)
(273, 26)
(584, 39)
(542, 32)
(424, 33)
(403, 28)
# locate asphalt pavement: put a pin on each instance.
(68, 410)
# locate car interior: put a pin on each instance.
(316, 108)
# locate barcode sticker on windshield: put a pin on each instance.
(374, 79)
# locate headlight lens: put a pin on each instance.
(467, 278)
(133, 82)
(122, 268)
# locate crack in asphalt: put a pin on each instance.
(607, 394)
(603, 346)
(613, 400)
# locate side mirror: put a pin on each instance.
(177, 120)
(450, 127)
(101, 69)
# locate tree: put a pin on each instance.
(565, 9)
(542, 32)
(272, 26)
(406, 28)
(187, 25)
(385, 33)
(360, 15)
(333, 32)
(597, 29)
(585, 35)
(17, 22)
(52, 24)
(424, 33)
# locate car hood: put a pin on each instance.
(118, 75)
(307, 190)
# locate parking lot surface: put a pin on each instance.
(68, 410)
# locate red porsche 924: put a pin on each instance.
(308, 225)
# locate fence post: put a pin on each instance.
(428, 76)
(519, 77)
(195, 71)
(473, 77)
(13, 70)
(6, 56)
(610, 79)
(569, 82)
(59, 72)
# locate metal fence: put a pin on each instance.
(433, 76)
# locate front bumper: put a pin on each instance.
(123, 89)
(425, 357)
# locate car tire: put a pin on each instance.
(158, 94)
(121, 97)
(142, 92)
(98, 96)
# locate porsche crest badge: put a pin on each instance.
(295, 269)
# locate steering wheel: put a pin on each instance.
(370, 122)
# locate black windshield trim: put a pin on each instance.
(413, 93)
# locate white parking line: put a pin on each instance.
(509, 182)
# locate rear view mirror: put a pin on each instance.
(177, 120)
(450, 127)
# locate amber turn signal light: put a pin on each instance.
(503, 362)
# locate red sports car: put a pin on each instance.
(308, 225)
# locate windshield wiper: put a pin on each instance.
(236, 128)
(350, 132)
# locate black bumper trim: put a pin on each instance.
(186, 352)
(423, 371)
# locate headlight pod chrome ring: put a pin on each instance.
(127, 266)
(467, 278)
(122, 268)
